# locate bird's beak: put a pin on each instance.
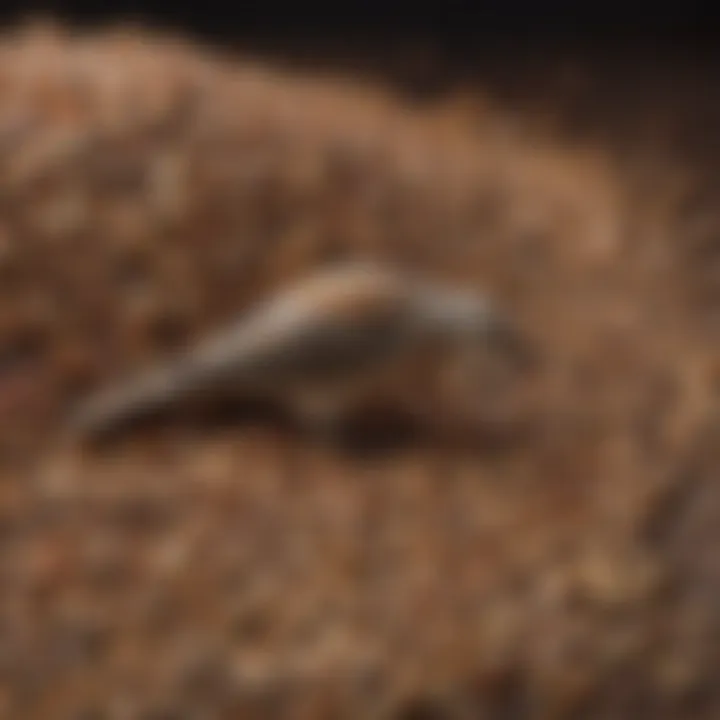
(505, 338)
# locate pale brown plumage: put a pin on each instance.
(319, 347)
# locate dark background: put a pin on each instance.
(449, 24)
(427, 48)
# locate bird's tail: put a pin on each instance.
(227, 359)
(156, 390)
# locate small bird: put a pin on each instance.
(319, 347)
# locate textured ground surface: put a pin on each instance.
(148, 192)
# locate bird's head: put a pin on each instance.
(465, 316)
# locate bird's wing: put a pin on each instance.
(297, 346)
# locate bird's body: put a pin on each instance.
(319, 347)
